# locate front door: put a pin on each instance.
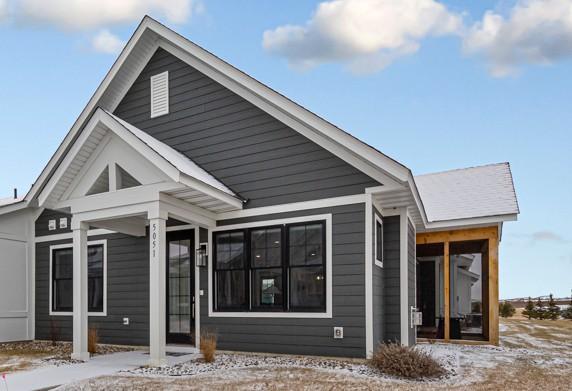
(180, 286)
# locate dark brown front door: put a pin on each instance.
(180, 286)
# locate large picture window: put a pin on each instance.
(280, 268)
(62, 279)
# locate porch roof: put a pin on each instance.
(468, 193)
(157, 164)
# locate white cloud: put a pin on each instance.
(92, 14)
(535, 32)
(3, 9)
(106, 42)
(367, 35)
(547, 236)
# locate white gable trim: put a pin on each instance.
(172, 173)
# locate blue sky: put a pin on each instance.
(446, 103)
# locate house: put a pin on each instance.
(188, 196)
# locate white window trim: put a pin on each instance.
(307, 315)
(378, 262)
(51, 281)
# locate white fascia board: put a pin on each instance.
(474, 222)
(78, 124)
(210, 190)
(14, 207)
(187, 212)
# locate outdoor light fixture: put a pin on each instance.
(202, 255)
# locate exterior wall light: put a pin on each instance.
(202, 255)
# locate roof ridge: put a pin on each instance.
(462, 169)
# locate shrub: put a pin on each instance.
(54, 332)
(553, 311)
(92, 340)
(208, 346)
(404, 361)
(529, 309)
(567, 313)
(506, 309)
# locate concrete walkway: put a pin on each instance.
(51, 376)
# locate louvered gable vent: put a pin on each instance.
(160, 94)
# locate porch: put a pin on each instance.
(457, 285)
(117, 178)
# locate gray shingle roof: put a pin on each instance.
(468, 193)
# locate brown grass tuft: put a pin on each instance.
(208, 346)
(92, 340)
(404, 361)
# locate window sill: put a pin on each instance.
(307, 315)
(57, 313)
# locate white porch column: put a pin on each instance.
(79, 291)
(157, 288)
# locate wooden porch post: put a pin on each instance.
(493, 290)
(447, 289)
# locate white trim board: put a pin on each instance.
(50, 279)
(69, 235)
(294, 207)
(403, 277)
(369, 276)
(329, 265)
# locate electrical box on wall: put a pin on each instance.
(338, 332)
(51, 225)
(63, 223)
(126, 321)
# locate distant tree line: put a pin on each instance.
(537, 310)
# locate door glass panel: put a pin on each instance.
(468, 301)
(430, 290)
(180, 301)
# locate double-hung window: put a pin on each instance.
(62, 279)
(280, 268)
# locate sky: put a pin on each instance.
(434, 84)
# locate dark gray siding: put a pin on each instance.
(411, 275)
(391, 278)
(43, 221)
(378, 292)
(127, 293)
(255, 155)
(308, 336)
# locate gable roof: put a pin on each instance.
(150, 35)
(177, 159)
(177, 167)
(466, 193)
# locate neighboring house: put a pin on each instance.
(189, 196)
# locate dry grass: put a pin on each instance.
(403, 361)
(92, 340)
(208, 346)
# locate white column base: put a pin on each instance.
(83, 356)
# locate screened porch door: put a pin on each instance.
(180, 287)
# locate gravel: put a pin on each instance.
(229, 362)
